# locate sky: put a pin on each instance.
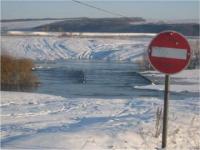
(148, 9)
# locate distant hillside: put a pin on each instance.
(90, 24)
(137, 25)
(30, 19)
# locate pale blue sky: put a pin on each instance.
(147, 9)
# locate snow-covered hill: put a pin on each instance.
(21, 25)
(55, 48)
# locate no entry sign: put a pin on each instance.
(169, 52)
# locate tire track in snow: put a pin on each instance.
(54, 48)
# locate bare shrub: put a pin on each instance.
(17, 73)
(143, 135)
(158, 125)
(193, 133)
(195, 61)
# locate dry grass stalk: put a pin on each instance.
(17, 73)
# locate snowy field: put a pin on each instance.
(54, 48)
(40, 121)
(181, 82)
(46, 121)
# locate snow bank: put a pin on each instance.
(55, 48)
(185, 81)
(173, 88)
(39, 121)
(80, 34)
(19, 98)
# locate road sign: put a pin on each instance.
(169, 52)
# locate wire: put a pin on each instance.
(100, 9)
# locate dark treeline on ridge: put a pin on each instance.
(126, 25)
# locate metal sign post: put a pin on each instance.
(165, 113)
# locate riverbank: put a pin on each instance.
(41, 121)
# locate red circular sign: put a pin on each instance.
(169, 52)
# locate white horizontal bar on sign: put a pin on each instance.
(165, 52)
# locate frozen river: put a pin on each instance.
(98, 79)
(90, 79)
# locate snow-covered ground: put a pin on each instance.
(39, 121)
(80, 34)
(186, 81)
(55, 48)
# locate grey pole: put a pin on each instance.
(165, 113)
